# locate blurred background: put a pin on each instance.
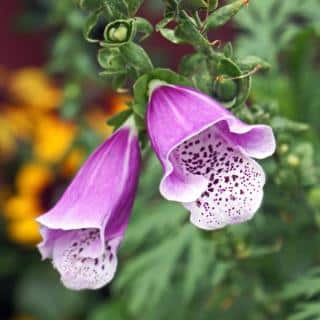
(53, 112)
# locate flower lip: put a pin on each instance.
(220, 115)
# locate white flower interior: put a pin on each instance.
(235, 182)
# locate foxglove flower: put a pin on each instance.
(82, 232)
(206, 155)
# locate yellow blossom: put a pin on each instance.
(22, 207)
(24, 231)
(34, 88)
(17, 120)
(53, 138)
(32, 178)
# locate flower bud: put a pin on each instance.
(293, 160)
(118, 32)
(225, 89)
(283, 149)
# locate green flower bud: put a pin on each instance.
(225, 89)
(293, 160)
(119, 32)
(283, 149)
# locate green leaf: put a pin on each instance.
(211, 4)
(136, 57)
(90, 4)
(201, 255)
(224, 14)
(170, 35)
(91, 22)
(284, 124)
(42, 279)
(228, 50)
(159, 265)
(195, 67)
(119, 81)
(188, 32)
(143, 26)
(172, 7)
(112, 61)
(119, 119)
(133, 6)
(117, 8)
(251, 62)
(308, 311)
(114, 310)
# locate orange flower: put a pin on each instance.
(16, 121)
(22, 207)
(31, 87)
(25, 231)
(53, 138)
(32, 178)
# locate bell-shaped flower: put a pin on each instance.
(82, 232)
(206, 155)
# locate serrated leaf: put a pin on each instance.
(188, 32)
(224, 14)
(136, 57)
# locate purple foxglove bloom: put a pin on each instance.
(82, 232)
(206, 155)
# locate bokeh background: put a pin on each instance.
(53, 112)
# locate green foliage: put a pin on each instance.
(269, 26)
(305, 291)
(168, 269)
(32, 300)
(224, 14)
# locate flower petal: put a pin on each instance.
(175, 114)
(74, 256)
(256, 141)
(234, 181)
(92, 197)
